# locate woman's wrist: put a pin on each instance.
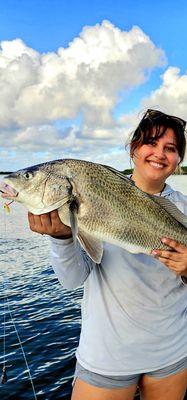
(62, 237)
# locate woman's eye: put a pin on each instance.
(171, 149)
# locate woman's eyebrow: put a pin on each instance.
(171, 143)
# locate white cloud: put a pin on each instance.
(85, 79)
(171, 96)
(38, 144)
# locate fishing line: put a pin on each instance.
(21, 345)
(4, 377)
(4, 374)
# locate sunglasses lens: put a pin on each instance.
(154, 114)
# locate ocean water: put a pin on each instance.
(46, 317)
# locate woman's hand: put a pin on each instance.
(175, 259)
(49, 224)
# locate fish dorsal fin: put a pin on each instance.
(171, 209)
(119, 173)
(92, 246)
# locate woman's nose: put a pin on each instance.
(159, 152)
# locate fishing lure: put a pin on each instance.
(7, 208)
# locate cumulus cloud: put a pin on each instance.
(47, 138)
(85, 77)
(83, 80)
(48, 144)
(171, 96)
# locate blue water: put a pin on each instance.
(47, 316)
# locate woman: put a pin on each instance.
(134, 310)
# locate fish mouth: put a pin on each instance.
(7, 191)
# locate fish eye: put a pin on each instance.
(28, 175)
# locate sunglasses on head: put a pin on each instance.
(154, 114)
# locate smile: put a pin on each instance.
(156, 165)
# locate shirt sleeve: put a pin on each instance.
(71, 265)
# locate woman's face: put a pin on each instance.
(158, 159)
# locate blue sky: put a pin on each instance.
(45, 26)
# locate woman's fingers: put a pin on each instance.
(49, 224)
(35, 223)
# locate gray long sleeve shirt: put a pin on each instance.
(134, 309)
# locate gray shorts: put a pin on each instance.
(108, 381)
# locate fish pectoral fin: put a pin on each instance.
(92, 246)
(73, 222)
(171, 209)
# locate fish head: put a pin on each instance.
(41, 188)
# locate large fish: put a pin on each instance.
(99, 203)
